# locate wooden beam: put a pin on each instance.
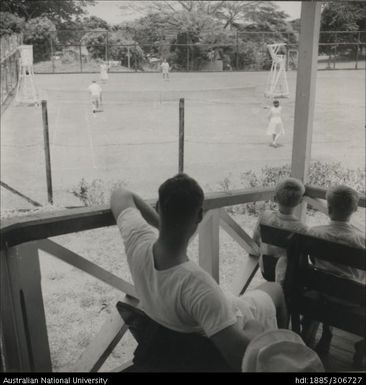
(238, 233)
(12, 348)
(28, 317)
(206, 217)
(102, 345)
(16, 192)
(83, 264)
(318, 192)
(245, 274)
(305, 89)
(17, 230)
(317, 204)
(38, 226)
(209, 245)
(250, 271)
(218, 200)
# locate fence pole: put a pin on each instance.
(135, 61)
(7, 76)
(47, 151)
(52, 56)
(106, 48)
(187, 52)
(237, 51)
(80, 59)
(181, 136)
(128, 58)
(335, 51)
(357, 49)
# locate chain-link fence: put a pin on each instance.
(129, 51)
(9, 64)
(342, 50)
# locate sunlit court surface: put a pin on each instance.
(263, 104)
(134, 137)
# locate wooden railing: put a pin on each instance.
(24, 337)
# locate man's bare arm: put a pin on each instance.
(122, 199)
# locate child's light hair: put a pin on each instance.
(289, 192)
(343, 200)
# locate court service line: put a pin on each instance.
(91, 143)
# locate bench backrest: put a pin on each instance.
(302, 273)
(275, 236)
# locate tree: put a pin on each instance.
(38, 32)
(118, 43)
(57, 11)
(341, 16)
(192, 27)
(71, 31)
(10, 23)
(93, 23)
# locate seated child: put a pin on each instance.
(288, 195)
(342, 203)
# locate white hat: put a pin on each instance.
(280, 350)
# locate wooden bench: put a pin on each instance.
(320, 295)
(274, 236)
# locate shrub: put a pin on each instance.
(321, 174)
(96, 192)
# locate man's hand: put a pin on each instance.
(121, 199)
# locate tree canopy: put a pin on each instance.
(10, 23)
(343, 16)
(188, 15)
(62, 10)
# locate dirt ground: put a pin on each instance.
(134, 140)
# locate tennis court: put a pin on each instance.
(135, 138)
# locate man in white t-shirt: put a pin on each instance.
(165, 69)
(95, 91)
(176, 292)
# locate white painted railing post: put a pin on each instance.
(209, 244)
(23, 312)
(305, 91)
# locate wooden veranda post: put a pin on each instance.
(305, 91)
(181, 136)
(23, 322)
(209, 244)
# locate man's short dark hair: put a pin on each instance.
(180, 198)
